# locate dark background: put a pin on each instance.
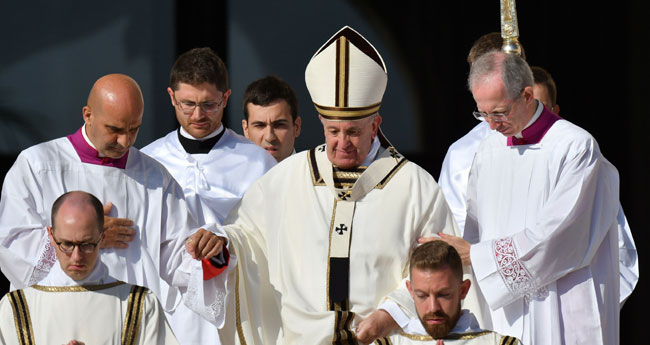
(597, 53)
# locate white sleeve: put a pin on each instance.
(579, 213)
(206, 297)
(627, 257)
(25, 251)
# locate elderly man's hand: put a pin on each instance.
(117, 231)
(378, 324)
(204, 244)
(461, 246)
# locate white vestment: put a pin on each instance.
(542, 220)
(97, 310)
(465, 332)
(143, 192)
(293, 228)
(213, 183)
(453, 183)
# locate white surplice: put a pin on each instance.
(466, 332)
(213, 183)
(542, 218)
(94, 311)
(144, 192)
(283, 231)
(453, 183)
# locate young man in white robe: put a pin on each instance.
(78, 302)
(541, 232)
(437, 287)
(271, 116)
(324, 237)
(99, 159)
(213, 164)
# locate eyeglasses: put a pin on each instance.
(85, 247)
(187, 107)
(496, 117)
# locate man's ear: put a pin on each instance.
(464, 288)
(296, 125)
(171, 96)
(408, 286)
(244, 127)
(556, 109)
(49, 234)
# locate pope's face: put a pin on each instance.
(272, 128)
(490, 96)
(349, 142)
(75, 228)
(199, 108)
(437, 296)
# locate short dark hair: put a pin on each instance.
(88, 198)
(487, 43)
(436, 255)
(198, 66)
(267, 90)
(541, 76)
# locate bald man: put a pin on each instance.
(99, 159)
(97, 308)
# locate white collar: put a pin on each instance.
(56, 276)
(83, 132)
(538, 112)
(466, 323)
(211, 135)
(374, 148)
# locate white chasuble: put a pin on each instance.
(542, 218)
(143, 192)
(318, 249)
(107, 314)
(213, 182)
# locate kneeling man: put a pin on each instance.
(78, 302)
(437, 288)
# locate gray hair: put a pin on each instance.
(514, 71)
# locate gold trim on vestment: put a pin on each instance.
(77, 288)
(22, 320)
(133, 317)
(313, 169)
(384, 341)
(392, 173)
(450, 336)
(240, 329)
(508, 340)
(329, 251)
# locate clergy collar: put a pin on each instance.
(536, 129)
(372, 154)
(466, 323)
(88, 154)
(57, 277)
(193, 145)
(538, 112)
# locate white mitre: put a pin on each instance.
(347, 77)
